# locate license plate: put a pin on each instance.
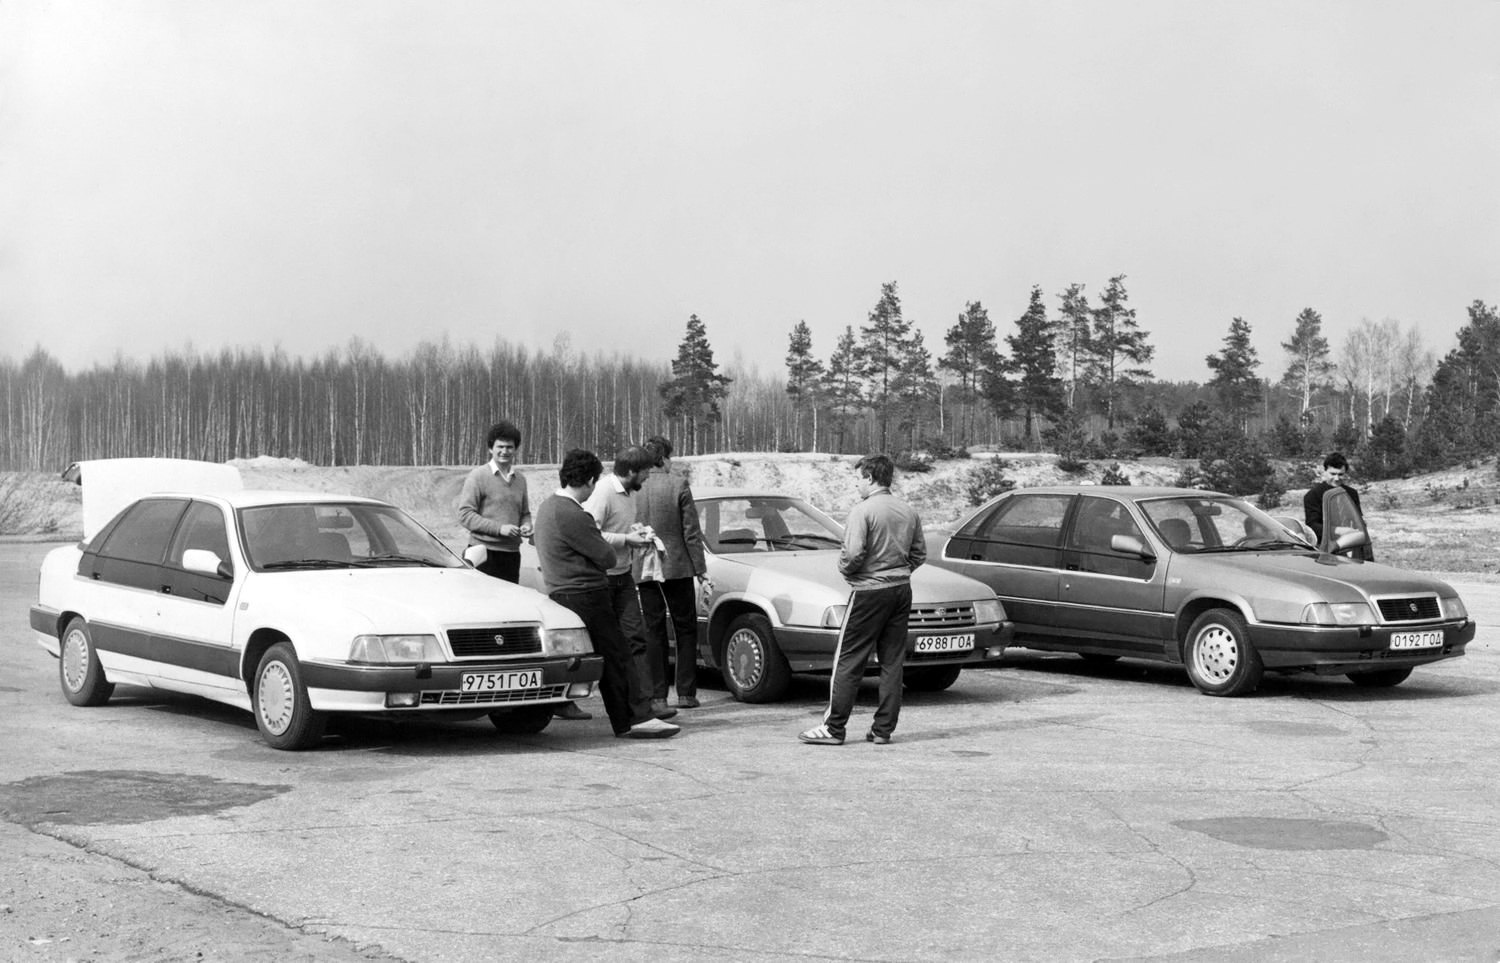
(1416, 640)
(945, 643)
(502, 681)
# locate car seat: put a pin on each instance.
(1176, 532)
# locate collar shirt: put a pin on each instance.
(613, 509)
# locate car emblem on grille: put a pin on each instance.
(1414, 609)
(499, 640)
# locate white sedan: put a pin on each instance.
(293, 606)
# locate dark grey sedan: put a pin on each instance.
(1204, 580)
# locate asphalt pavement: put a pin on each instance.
(1044, 809)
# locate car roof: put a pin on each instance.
(1124, 491)
(255, 498)
(703, 494)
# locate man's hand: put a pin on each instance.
(508, 530)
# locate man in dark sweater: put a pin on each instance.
(575, 561)
(1335, 475)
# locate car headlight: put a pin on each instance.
(1453, 608)
(833, 616)
(1338, 613)
(570, 641)
(388, 649)
(989, 610)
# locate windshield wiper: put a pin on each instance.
(411, 559)
(309, 563)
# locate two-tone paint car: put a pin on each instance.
(777, 600)
(293, 606)
(1204, 580)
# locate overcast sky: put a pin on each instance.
(300, 173)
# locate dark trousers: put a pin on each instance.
(671, 601)
(503, 565)
(627, 605)
(598, 613)
(875, 623)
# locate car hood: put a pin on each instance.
(928, 585)
(400, 600)
(1326, 577)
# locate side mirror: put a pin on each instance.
(203, 561)
(1130, 545)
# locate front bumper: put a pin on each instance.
(811, 650)
(437, 687)
(1337, 650)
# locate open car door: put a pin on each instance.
(1340, 517)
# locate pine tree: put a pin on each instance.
(973, 356)
(696, 389)
(1463, 401)
(804, 376)
(1234, 377)
(841, 385)
(1038, 391)
(1308, 368)
(913, 386)
(1073, 340)
(884, 345)
(1118, 352)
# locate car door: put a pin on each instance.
(1109, 596)
(1013, 547)
(126, 569)
(195, 615)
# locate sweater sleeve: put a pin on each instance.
(469, 514)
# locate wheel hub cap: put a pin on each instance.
(1217, 654)
(274, 697)
(744, 659)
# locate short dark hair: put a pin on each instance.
(879, 468)
(579, 467)
(502, 431)
(659, 447)
(1337, 460)
(630, 460)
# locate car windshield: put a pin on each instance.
(1217, 524)
(765, 523)
(338, 535)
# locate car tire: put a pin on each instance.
(753, 666)
(1380, 678)
(1220, 659)
(523, 720)
(283, 714)
(78, 669)
(930, 678)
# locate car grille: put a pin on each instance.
(941, 616)
(558, 691)
(936, 656)
(1417, 608)
(498, 640)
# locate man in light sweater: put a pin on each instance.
(613, 506)
(575, 561)
(883, 545)
(494, 509)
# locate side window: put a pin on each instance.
(202, 527)
(142, 534)
(1021, 530)
(1095, 525)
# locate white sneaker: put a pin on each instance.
(652, 729)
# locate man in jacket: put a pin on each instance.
(665, 503)
(575, 560)
(883, 545)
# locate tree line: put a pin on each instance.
(1076, 380)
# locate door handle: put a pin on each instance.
(166, 590)
(973, 558)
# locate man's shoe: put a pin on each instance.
(651, 729)
(820, 736)
(571, 712)
(877, 738)
(661, 710)
(688, 702)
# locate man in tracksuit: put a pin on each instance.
(883, 545)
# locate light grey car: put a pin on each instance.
(1204, 580)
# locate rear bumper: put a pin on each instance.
(1335, 651)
